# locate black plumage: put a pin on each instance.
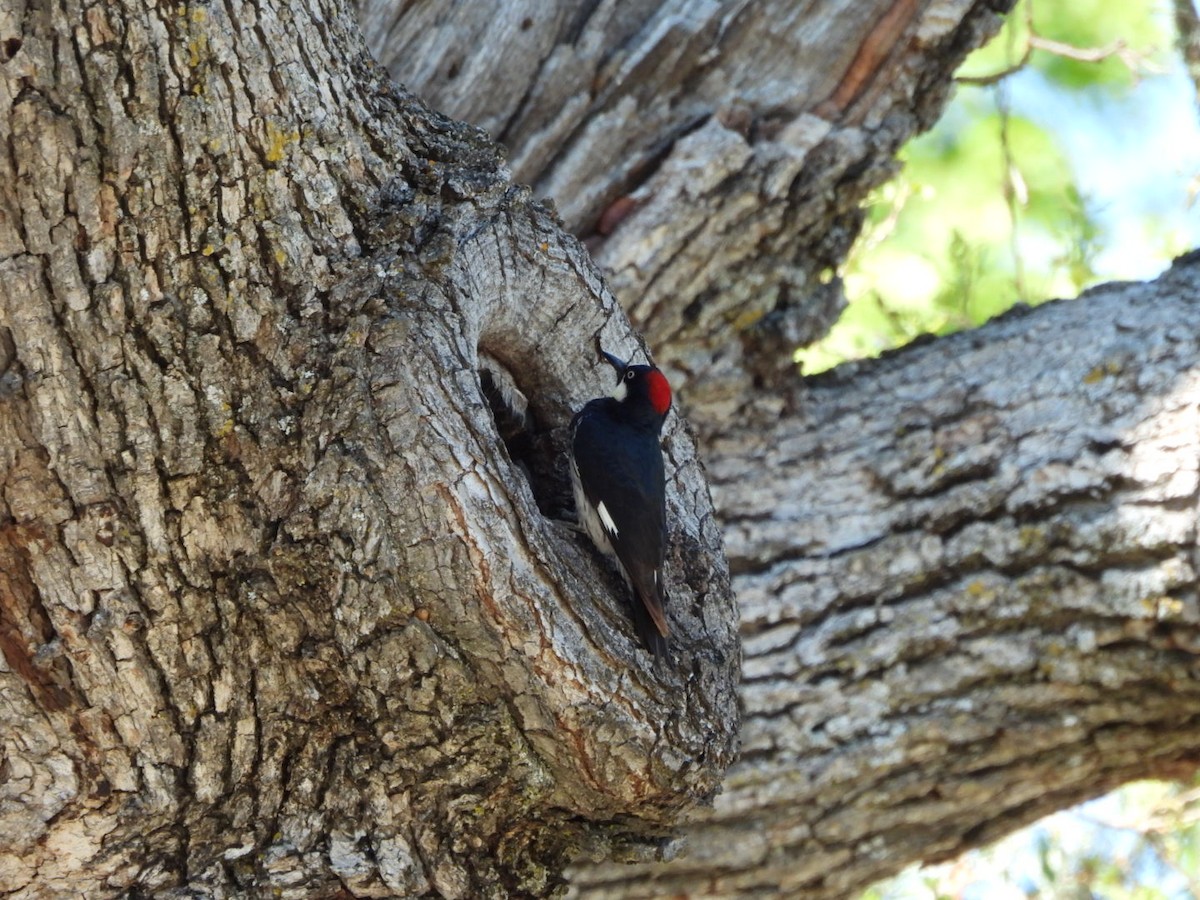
(620, 490)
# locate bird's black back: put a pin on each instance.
(620, 463)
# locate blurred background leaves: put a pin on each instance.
(1069, 156)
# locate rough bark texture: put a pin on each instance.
(966, 573)
(284, 607)
(713, 155)
(976, 604)
(278, 610)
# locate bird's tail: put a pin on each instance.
(651, 622)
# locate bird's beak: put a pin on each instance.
(616, 362)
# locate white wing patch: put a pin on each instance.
(587, 514)
(609, 525)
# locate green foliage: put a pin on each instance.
(941, 252)
(1090, 25)
(987, 211)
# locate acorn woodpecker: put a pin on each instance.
(620, 490)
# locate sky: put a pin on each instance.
(1137, 160)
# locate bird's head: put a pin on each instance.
(640, 387)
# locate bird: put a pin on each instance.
(620, 488)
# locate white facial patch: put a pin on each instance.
(609, 525)
(620, 390)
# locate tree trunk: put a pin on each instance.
(280, 611)
(284, 604)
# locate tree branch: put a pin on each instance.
(714, 156)
(968, 578)
(1187, 25)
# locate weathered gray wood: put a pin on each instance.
(279, 611)
(713, 155)
(968, 580)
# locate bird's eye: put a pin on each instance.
(629, 375)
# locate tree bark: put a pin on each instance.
(278, 609)
(968, 581)
(284, 606)
(713, 156)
